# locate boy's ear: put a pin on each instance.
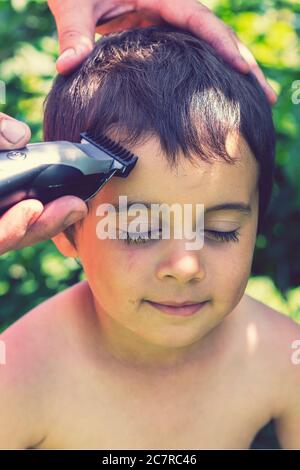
(64, 245)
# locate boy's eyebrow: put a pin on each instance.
(232, 206)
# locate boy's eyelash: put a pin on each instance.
(232, 236)
(143, 238)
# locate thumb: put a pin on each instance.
(14, 223)
(13, 134)
(76, 32)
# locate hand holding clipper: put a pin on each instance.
(61, 175)
(49, 170)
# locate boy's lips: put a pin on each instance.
(181, 309)
(177, 304)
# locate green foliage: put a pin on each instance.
(27, 65)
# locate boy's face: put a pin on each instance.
(123, 277)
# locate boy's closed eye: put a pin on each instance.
(215, 229)
(139, 238)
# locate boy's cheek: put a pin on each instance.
(228, 272)
(135, 261)
(240, 276)
(104, 260)
(228, 291)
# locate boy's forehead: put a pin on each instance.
(153, 179)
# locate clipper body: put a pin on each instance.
(49, 170)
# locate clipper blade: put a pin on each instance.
(115, 150)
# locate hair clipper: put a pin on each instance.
(49, 170)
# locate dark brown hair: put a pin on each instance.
(163, 81)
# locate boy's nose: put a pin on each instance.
(182, 264)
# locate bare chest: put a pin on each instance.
(198, 413)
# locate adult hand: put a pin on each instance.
(29, 222)
(76, 22)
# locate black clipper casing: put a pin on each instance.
(49, 170)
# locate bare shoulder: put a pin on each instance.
(273, 328)
(269, 333)
(39, 333)
(274, 342)
(36, 349)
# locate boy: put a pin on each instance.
(108, 364)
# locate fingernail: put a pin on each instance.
(73, 218)
(66, 54)
(82, 48)
(13, 131)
